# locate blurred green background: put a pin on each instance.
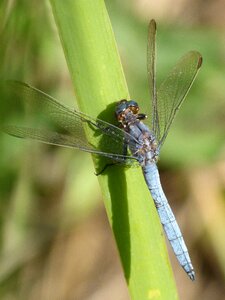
(55, 239)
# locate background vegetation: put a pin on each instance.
(51, 211)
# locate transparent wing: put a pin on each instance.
(172, 92)
(151, 70)
(167, 100)
(50, 122)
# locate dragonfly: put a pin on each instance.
(131, 142)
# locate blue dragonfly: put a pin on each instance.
(130, 143)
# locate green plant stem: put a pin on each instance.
(90, 49)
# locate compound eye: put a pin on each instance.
(121, 107)
(133, 106)
(134, 109)
(123, 101)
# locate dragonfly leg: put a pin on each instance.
(114, 163)
(105, 167)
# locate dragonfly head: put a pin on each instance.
(125, 108)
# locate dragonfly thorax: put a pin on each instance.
(142, 143)
(147, 147)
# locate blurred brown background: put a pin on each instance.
(56, 242)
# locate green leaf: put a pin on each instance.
(94, 64)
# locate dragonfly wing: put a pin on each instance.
(59, 139)
(173, 91)
(151, 70)
(51, 122)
